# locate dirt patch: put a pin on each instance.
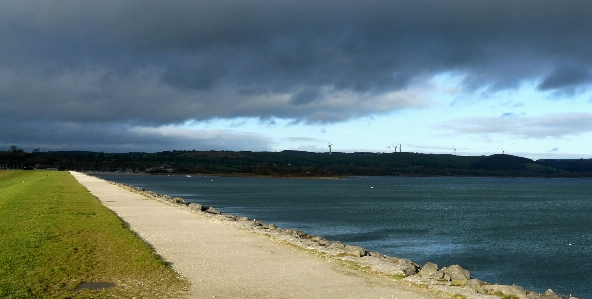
(95, 285)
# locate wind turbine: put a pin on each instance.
(329, 145)
(389, 149)
(454, 150)
(400, 150)
(503, 151)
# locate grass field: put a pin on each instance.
(55, 236)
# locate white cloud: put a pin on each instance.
(300, 139)
(550, 125)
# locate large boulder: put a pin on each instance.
(428, 269)
(389, 265)
(458, 273)
(408, 267)
(212, 210)
(195, 207)
(355, 250)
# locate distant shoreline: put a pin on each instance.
(301, 164)
(237, 175)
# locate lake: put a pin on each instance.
(536, 233)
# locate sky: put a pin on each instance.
(429, 76)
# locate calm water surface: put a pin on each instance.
(536, 233)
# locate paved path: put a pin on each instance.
(222, 261)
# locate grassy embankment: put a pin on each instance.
(55, 236)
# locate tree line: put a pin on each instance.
(296, 163)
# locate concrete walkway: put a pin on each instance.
(222, 261)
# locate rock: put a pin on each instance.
(401, 270)
(387, 265)
(336, 245)
(355, 250)
(507, 290)
(440, 275)
(408, 267)
(297, 233)
(212, 210)
(457, 273)
(195, 207)
(428, 269)
(179, 200)
(474, 283)
(320, 241)
(549, 294)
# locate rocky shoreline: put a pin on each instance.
(451, 280)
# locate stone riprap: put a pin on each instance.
(452, 280)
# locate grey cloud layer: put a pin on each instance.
(154, 63)
(114, 137)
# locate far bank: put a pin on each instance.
(300, 164)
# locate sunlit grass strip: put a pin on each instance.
(55, 235)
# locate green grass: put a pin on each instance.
(55, 235)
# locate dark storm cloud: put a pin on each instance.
(114, 137)
(566, 79)
(161, 62)
(305, 97)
